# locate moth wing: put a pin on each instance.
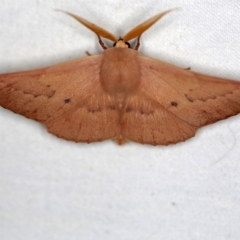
(67, 98)
(172, 103)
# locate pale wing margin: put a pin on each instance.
(66, 97)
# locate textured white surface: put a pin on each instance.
(52, 189)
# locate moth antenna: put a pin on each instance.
(138, 30)
(96, 29)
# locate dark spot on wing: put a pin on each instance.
(112, 107)
(146, 112)
(174, 104)
(128, 109)
(67, 100)
(94, 110)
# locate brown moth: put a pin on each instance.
(120, 95)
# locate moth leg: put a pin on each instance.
(101, 43)
(88, 53)
(138, 43)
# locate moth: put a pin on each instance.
(120, 95)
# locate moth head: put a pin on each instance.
(121, 44)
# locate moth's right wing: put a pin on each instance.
(172, 103)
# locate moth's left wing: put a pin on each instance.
(67, 98)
